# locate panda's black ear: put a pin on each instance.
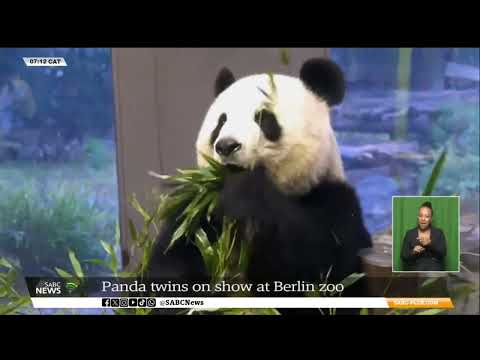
(324, 78)
(224, 79)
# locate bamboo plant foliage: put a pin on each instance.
(195, 197)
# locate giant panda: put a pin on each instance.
(289, 180)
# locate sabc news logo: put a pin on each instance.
(50, 287)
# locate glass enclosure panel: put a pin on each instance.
(58, 178)
(403, 107)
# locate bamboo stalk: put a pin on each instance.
(403, 83)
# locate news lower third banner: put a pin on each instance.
(243, 302)
(76, 293)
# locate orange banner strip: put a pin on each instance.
(420, 303)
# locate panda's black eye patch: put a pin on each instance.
(221, 120)
(268, 124)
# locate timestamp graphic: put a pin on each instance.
(45, 61)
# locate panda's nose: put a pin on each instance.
(227, 146)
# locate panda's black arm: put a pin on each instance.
(182, 262)
(341, 205)
(252, 195)
(290, 243)
(298, 240)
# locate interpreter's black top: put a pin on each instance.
(432, 258)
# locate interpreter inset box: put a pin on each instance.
(426, 233)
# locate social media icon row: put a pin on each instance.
(128, 302)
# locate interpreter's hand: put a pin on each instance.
(424, 240)
(418, 249)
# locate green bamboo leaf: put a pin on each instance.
(431, 312)
(207, 200)
(192, 207)
(225, 238)
(5, 263)
(206, 250)
(220, 274)
(147, 254)
(139, 311)
(202, 239)
(199, 209)
(173, 204)
(216, 166)
(77, 268)
(285, 56)
(211, 160)
(364, 311)
(273, 87)
(161, 200)
(239, 311)
(181, 230)
(409, 311)
(180, 180)
(192, 172)
(134, 202)
(435, 174)
(243, 258)
(133, 231)
(126, 274)
(96, 262)
(182, 190)
(113, 260)
(427, 283)
(352, 279)
(268, 311)
(8, 282)
(11, 308)
(177, 179)
(146, 311)
(11, 277)
(213, 205)
(117, 235)
(120, 311)
(159, 176)
(193, 221)
(231, 241)
(205, 174)
(64, 274)
(219, 245)
(107, 247)
(463, 291)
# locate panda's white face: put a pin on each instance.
(293, 138)
(231, 117)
